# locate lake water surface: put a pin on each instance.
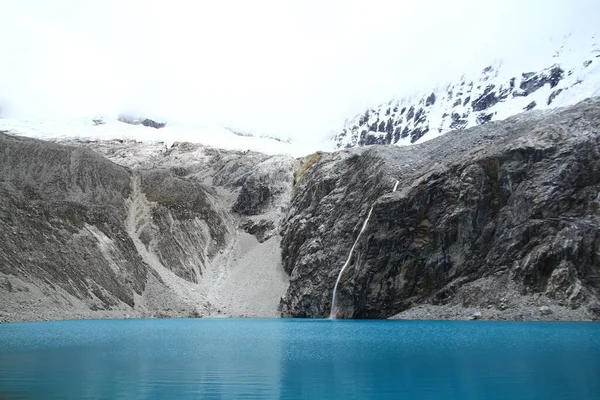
(299, 359)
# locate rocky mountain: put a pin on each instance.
(567, 76)
(167, 233)
(497, 221)
(504, 213)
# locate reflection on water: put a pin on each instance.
(311, 359)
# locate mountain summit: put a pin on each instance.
(565, 77)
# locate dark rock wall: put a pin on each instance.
(325, 215)
(516, 199)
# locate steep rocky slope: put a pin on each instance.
(498, 221)
(500, 216)
(162, 235)
(565, 76)
(61, 232)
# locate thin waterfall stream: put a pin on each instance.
(333, 311)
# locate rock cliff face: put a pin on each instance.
(505, 210)
(501, 220)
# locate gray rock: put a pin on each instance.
(68, 205)
(153, 124)
(505, 202)
(534, 81)
(594, 309)
(262, 229)
(553, 95)
(83, 237)
(545, 310)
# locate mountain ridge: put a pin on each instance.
(571, 74)
(498, 221)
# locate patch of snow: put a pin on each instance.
(213, 136)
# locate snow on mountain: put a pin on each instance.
(557, 75)
(104, 128)
(562, 77)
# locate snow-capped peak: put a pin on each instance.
(565, 76)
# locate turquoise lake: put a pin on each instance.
(299, 359)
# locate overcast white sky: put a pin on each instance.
(291, 68)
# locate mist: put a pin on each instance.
(292, 69)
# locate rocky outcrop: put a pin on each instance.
(153, 124)
(508, 209)
(130, 119)
(186, 223)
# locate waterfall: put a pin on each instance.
(333, 311)
(333, 306)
